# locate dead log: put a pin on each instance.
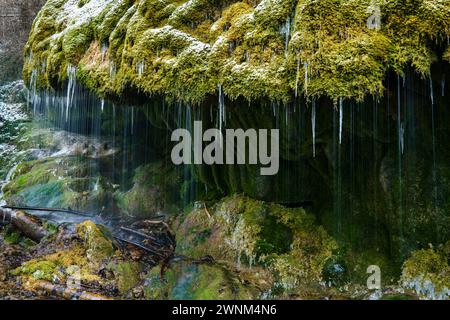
(28, 225)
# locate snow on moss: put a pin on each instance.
(251, 48)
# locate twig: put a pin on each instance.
(70, 211)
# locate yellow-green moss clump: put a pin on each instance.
(267, 48)
(83, 257)
(427, 272)
(246, 233)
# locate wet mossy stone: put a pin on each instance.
(97, 241)
(189, 281)
(427, 272)
(246, 233)
(184, 49)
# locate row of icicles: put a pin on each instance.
(221, 122)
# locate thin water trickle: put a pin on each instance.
(433, 134)
(104, 51)
(306, 66)
(341, 118)
(313, 126)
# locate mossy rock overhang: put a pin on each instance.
(185, 50)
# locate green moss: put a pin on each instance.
(188, 48)
(427, 272)
(75, 43)
(12, 236)
(98, 244)
(127, 274)
(39, 270)
(54, 266)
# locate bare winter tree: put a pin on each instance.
(16, 18)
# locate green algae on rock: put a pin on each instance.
(252, 49)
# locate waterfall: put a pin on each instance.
(103, 104)
(72, 76)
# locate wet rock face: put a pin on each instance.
(252, 49)
(12, 124)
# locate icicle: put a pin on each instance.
(140, 68)
(112, 70)
(431, 91)
(296, 78)
(104, 51)
(222, 111)
(32, 90)
(374, 21)
(305, 66)
(287, 35)
(71, 75)
(341, 117)
(313, 126)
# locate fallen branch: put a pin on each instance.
(140, 246)
(65, 292)
(28, 225)
(70, 211)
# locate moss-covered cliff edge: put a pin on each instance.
(186, 50)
